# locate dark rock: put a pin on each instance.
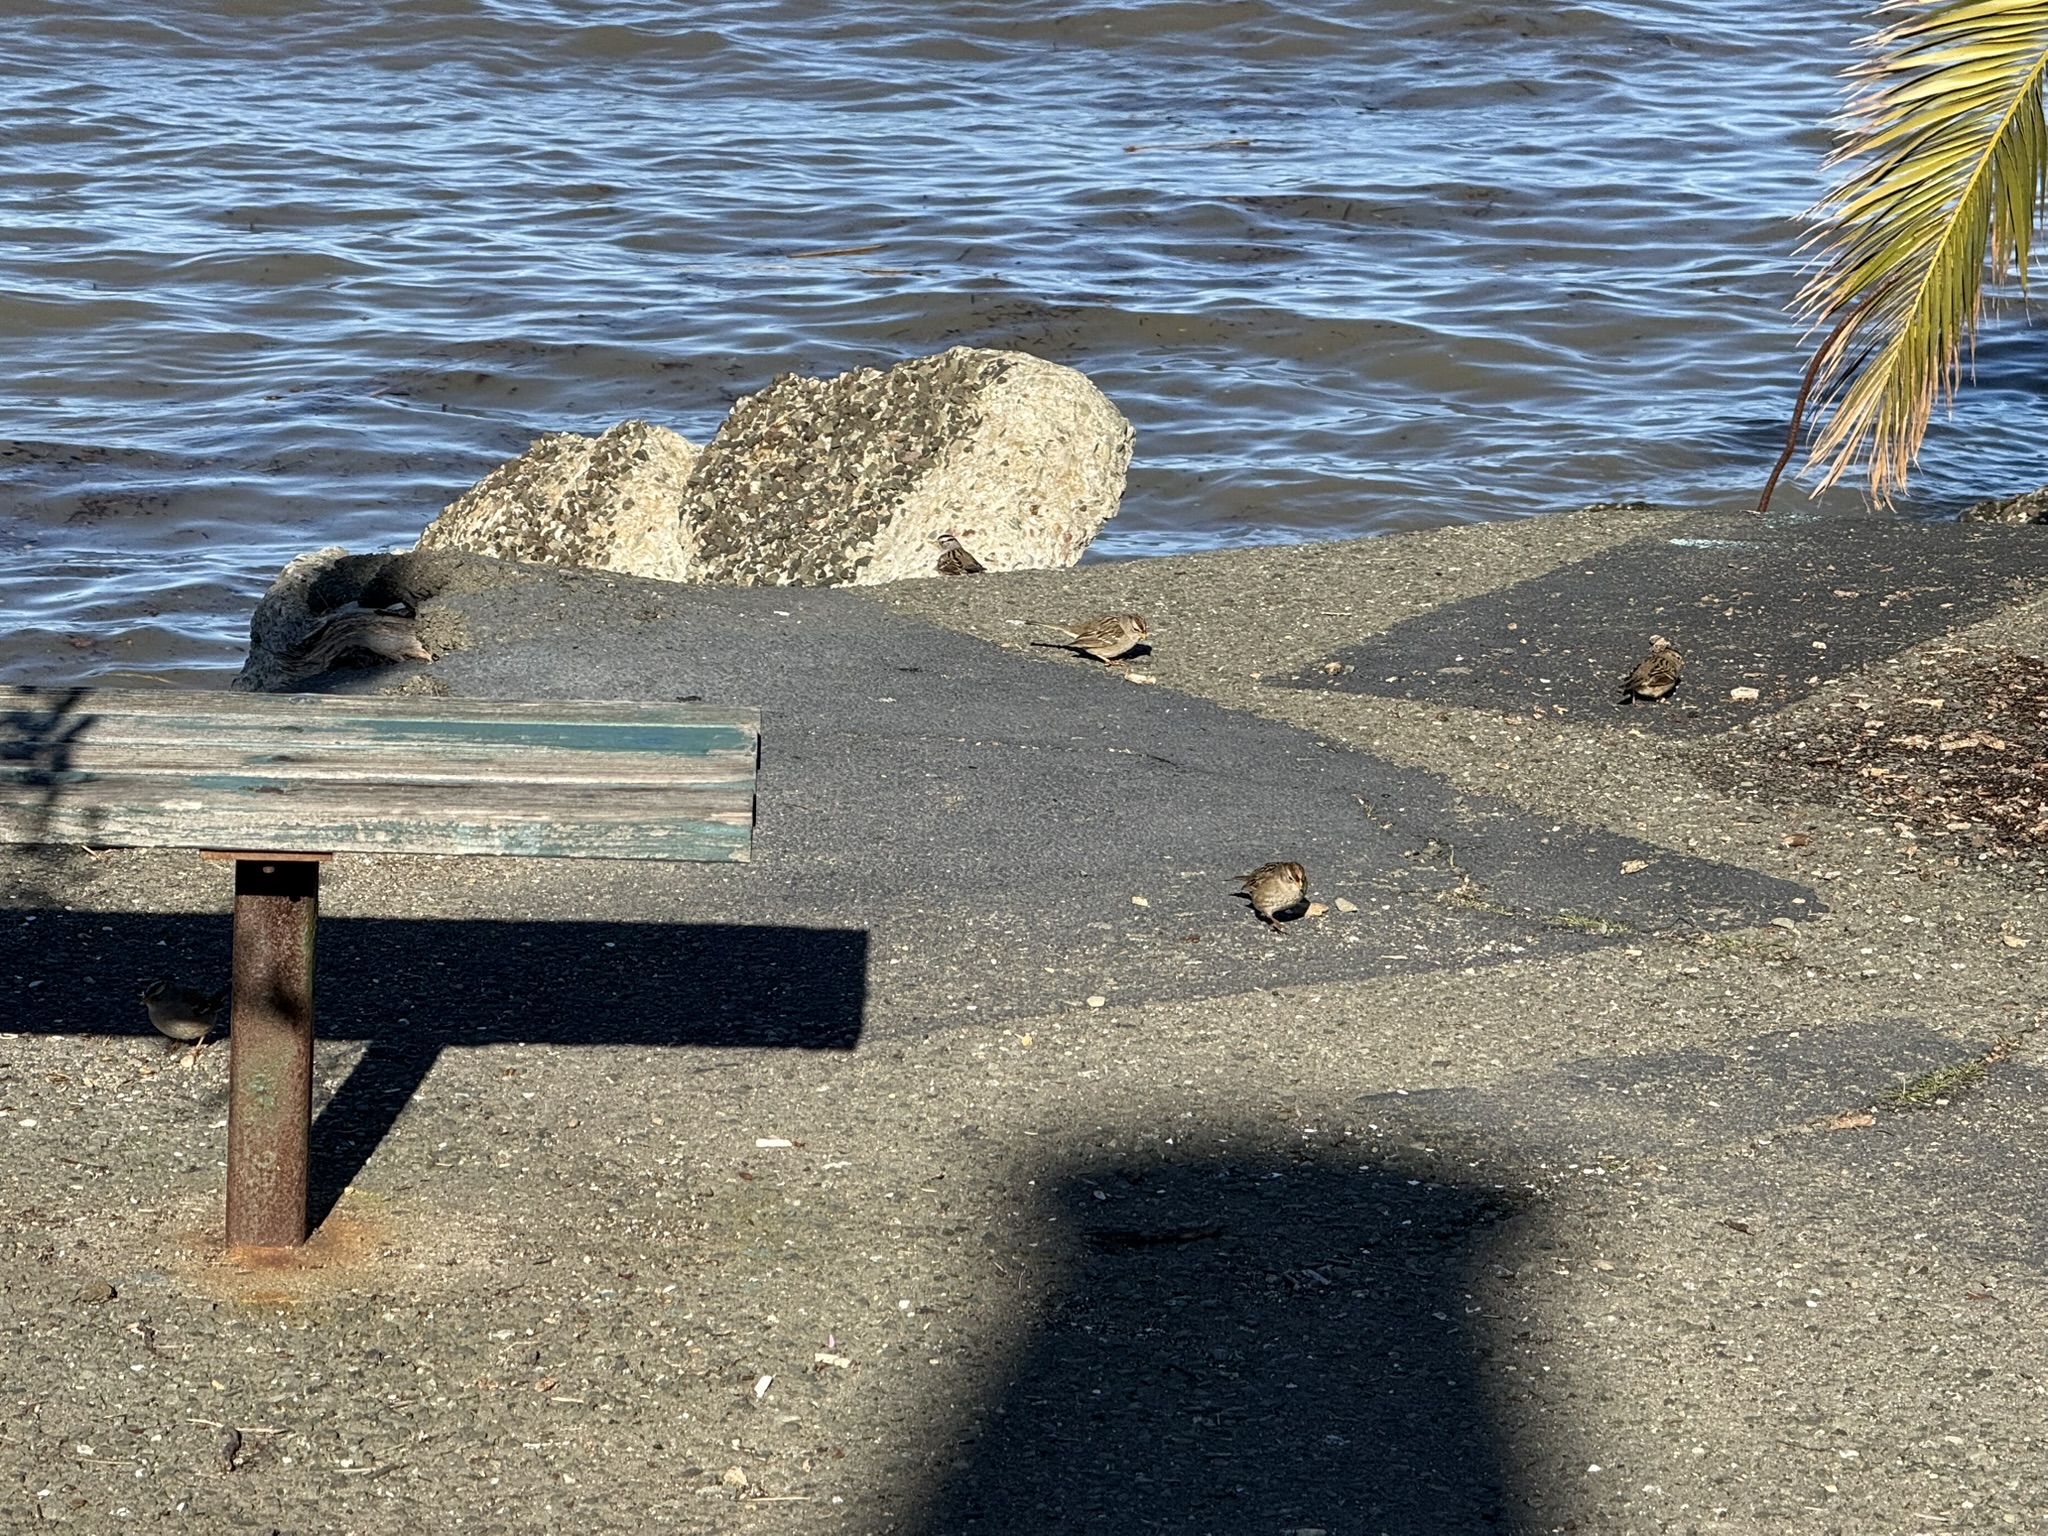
(2028, 507)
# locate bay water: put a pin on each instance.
(274, 276)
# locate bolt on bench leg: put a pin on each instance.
(270, 1051)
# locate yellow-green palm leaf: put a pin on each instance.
(1947, 158)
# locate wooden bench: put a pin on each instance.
(279, 783)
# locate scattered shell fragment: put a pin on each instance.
(1097, 1000)
(1634, 866)
(761, 1386)
(1140, 901)
(1316, 909)
(1744, 695)
(773, 1141)
(826, 1357)
(1346, 905)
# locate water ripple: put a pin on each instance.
(277, 276)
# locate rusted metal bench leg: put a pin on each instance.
(270, 1055)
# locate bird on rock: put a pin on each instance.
(1272, 889)
(955, 559)
(1105, 637)
(389, 636)
(182, 1015)
(1656, 675)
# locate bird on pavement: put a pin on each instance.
(182, 1015)
(1656, 675)
(1272, 889)
(1105, 637)
(955, 560)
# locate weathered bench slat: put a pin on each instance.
(268, 708)
(320, 773)
(698, 838)
(343, 764)
(600, 738)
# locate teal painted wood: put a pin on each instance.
(317, 773)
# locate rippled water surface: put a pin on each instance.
(280, 275)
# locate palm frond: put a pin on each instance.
(1946, 163)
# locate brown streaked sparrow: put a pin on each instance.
(1656, 675)
(1273, 889)
(955, 558)
(1106, 637)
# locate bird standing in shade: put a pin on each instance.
(1105, 637)
(1272, 889)
(1656, 675)
(955, 560)
(182, 1015)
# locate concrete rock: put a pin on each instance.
(607, 502)
(848, 481)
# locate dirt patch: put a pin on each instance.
(1955, 750)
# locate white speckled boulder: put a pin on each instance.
(847, 481)
(610, 502)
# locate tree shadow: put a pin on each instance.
(411, 987)
(38, 730)
(1257, 1346)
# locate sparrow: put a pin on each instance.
(182, 1013)
(1656, 675)
(388, 636)
(954, 559)
(1273, 888)
(1105, 637)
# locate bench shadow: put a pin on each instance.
(1254, 1346)
(412, 987)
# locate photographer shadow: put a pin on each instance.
(1264, 1346)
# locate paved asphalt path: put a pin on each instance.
(1779, 607)
(975, 825)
